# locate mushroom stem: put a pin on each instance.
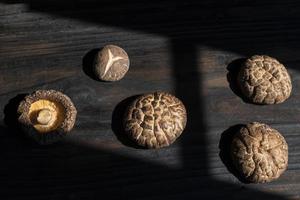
(44, 116)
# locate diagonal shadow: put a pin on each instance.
(244, 27)
(187, 24)
(68, 171)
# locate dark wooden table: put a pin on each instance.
(189, 48)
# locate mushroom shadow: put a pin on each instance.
(88, 62)
(232, 78)
(11, 119)
(117, 122)
(11, 111)
(225, 151)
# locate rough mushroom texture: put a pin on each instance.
(111, 63)
(47, 115)
(259, 153)
(155, 120)
(263, 80)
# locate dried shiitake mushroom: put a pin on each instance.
(155, 120)
(111, 63)
(47, 115)
(259, 152)
(264, 80)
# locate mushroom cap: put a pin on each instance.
(111, 63)
(47, 115)
(155, 120)
(264, 80)
(259, 152)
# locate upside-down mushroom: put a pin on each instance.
(47, 115)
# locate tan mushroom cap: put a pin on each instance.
(264, 80)
(47, 112)
(111, 63)
(259, 152)
(155, 120)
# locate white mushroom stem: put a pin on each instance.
(44, 116)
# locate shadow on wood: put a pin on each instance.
(11, 119)
(232, 78)
(88, 64)
(188, 90)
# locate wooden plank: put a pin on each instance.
(188, 48)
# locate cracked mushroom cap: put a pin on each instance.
(155, 120)
(259, 153)
(111, 63)
(47, 115)
(264, 80)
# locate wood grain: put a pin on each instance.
(187, 48)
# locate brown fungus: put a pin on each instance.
(259, 152)
(111, 63)
(264, 80)
(155, 120)
(47, 115)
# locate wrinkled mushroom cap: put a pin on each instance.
(47, 115)
(264, 80)
(155, 120)
(259, 152)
